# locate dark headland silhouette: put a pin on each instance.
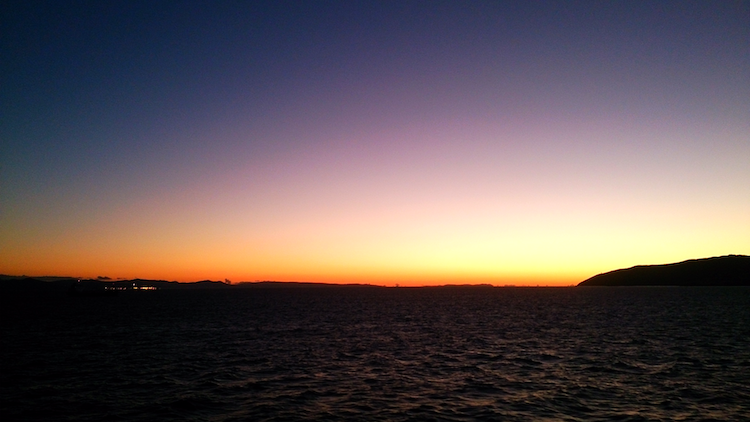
(730, 270)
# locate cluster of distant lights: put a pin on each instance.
(134, 287)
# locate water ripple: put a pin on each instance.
(380, 354)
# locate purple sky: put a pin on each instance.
(385, 142)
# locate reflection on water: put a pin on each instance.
(379, 354)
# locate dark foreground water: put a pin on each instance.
(379, 354)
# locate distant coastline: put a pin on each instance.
(64, 284)
(729, 270)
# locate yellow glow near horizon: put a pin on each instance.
(448, 246)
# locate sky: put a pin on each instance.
(386, 142)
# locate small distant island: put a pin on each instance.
(730, 270)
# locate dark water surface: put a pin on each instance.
(345, 353)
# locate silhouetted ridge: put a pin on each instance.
(730, 270)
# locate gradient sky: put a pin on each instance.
(375, 142)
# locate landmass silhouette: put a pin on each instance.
(729, 270)
(94, 287)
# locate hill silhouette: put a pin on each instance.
(62, 284)
(730, 270)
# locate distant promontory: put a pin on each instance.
(730, 270)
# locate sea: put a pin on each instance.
(351, 353)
